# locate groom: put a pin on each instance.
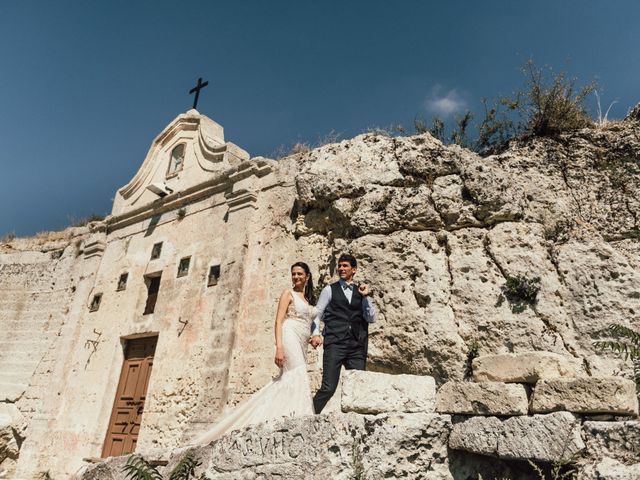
(346, 310)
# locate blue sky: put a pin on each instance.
(85, 86)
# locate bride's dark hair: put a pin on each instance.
(309, 295)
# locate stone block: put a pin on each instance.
(527, 367)
(543, 438)
(486, 398)
(586, 395)
(373, 392)
(477, 435)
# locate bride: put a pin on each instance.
(288, 394)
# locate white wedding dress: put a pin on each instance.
(288, 394)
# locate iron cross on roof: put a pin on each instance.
(197, 89)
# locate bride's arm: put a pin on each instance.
(283, 304)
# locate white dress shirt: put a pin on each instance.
(368, 308)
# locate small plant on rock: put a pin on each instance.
(359, 472)
(7, 237)
(558, 232)
(626, 342)
(521, 291)
(561, 470)
(185, 469)
(137, 468)
(471, 354)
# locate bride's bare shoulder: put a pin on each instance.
(285, 295)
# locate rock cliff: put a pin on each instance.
(440, 232)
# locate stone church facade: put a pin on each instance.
(132, 333)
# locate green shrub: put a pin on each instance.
(185, 468)
(7, 237)
(521, 291)
(460, 135)
(559, 230)
(137, 468)
(551, 107)
(472, 353)
(626, 342)
(496, 128)
(357, 463)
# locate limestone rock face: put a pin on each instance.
(11, 430)
(544, 438)
(439, 231)
(609, 469)
(619, 441)
(370, 392)
(340, 446)
(486, 398)
(586, 395)
(525, 367)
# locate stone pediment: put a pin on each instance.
(188, 152)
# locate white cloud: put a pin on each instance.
(444, 103)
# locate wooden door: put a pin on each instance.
(128, 406)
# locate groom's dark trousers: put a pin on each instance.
(345, 341)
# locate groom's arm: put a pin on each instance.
(323, 301)
(370, 312)
(368, 308)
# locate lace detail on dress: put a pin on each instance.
(289, 394)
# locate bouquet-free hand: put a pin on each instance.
(279, 357)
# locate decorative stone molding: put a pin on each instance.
(224, 181)
(94, 248)
(241, 199)
(207, 151)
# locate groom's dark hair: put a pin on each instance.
(345, 257)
